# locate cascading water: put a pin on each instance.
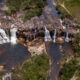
(52, 5)
(3, 38)
(55, 53)
(67, 37)
(13, 35)
(54, 36)
(64, 27)
(27, 40)
(47, 35)
(7, 76)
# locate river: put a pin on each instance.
(54, 52)
(1, 1)
(12, 55)
(52, 5)
(53, 49)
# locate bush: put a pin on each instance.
(68, 70)
(33, 7)
(32, 13)
(35, 69)
(77, 44)
(14, 5)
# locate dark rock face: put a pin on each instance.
(32, 28)
(46, 19)
(31, 33)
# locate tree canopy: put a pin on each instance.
(32, 7)
(35, 69)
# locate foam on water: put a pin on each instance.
(3, 37)
(67, 37)
(47, 35)
(54, 36)
(13, 35)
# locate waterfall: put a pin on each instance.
(3, 38)
(7, 76)
(47, 35)
(27, 40)
(34, 37)
(13, 34)
(67, 37)
(54, 36)
(64, 27)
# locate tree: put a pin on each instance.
(35, 69)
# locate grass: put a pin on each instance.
(73, 6)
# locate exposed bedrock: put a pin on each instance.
(35, 27)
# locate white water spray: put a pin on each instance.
(54, 36)
(47, 35)
(1, 40)
(64, 27)
(7, 76)
(27, 40)
(13, 34)
(67, 37)
(4, 38)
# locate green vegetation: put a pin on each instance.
(63, 12)
(77, 45)
(72, 67)
(78, 74)
(32, 13)
(14, 5)
(70, 7)
(68, 70)
(32, 7)
(1, 73)
(77, 39)
(35, 69)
